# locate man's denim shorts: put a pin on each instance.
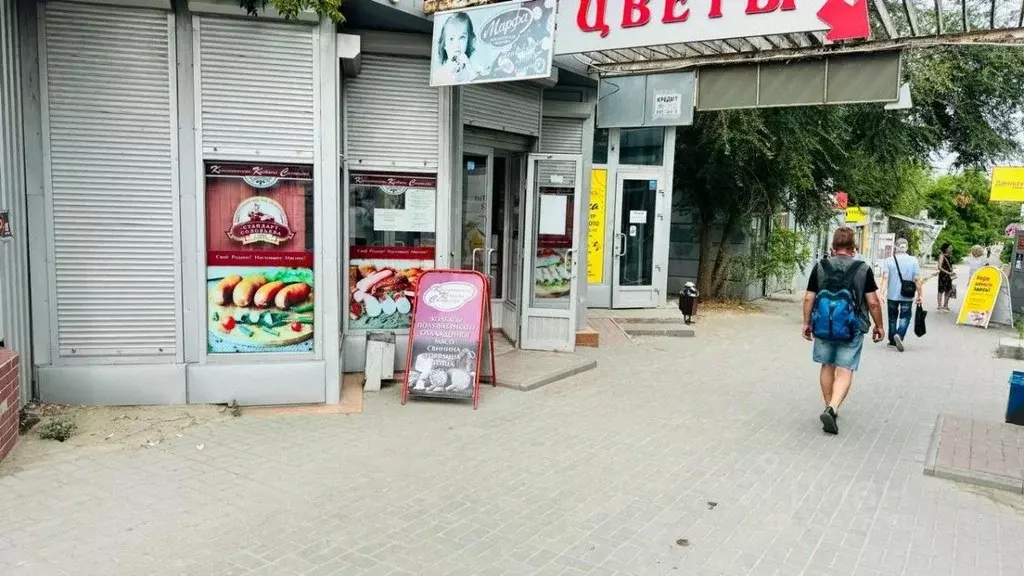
(841, 354)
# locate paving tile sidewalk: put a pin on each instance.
(714, 440)
(977, 452)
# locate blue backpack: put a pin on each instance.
(836, 312)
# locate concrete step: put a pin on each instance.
(588, 338)
(666, 331)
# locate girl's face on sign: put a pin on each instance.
(456, 38)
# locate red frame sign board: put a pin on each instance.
(596, 25)
(451, 316)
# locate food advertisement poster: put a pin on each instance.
(259, 258)
(447, 335)
(391, 244)
(5, 224)
(595, 225)
(553, 265)
(981, 297)
(494, 43)
(382, 284)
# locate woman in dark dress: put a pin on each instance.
(945, 276)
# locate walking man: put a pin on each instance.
(902, 280)
(841, 301)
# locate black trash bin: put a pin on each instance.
(688, 302)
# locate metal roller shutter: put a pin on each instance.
(506, 106)
(256, 86)
(15, 328)
(111, 180)
(391, 114)
(562, 136)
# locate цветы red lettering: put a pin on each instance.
(755, 6)
(670, 12)
(599, 23)
(636, 13)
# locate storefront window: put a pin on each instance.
(601, 146)
(641, 146)
(391, 241)
(259, 259)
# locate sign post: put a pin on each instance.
(446, 337)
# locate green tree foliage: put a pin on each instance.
(968, 100)
(962, 201)
(291, 8)
(785, 252)
(735, 166)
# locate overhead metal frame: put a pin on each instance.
(895, 24)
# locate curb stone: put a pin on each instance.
(986, 480)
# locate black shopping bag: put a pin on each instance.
(919, 316)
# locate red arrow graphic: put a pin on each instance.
(847, 19)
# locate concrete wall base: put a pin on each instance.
(1012, 348)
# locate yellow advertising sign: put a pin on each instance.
(595, 230)
(856, 215)
(1007, 184)
(981, 297)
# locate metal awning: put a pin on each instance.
(895, 24)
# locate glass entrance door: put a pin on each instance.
(487, 181)
(550, 280)
(509, 310)
(638, 224)
(476, 204)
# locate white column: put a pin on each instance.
(329, 220)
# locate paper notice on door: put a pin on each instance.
(388, 219)
(417, 216)
(420, 208)
(638, 216)
(552, 214)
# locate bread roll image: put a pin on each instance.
(265, 295)
(246, 289)
(292, 294)
(223, 290)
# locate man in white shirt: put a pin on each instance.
(901, 280)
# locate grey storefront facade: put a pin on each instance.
(145, 142)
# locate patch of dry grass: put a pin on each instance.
(728, 305)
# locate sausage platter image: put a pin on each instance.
(259, 309)
(259, 258)
(383, 283)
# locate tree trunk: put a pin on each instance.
(704, 259)
(720, 272)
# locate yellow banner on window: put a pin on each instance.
(1007, 184)
(595, 225)
(856, 215)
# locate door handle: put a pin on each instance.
(487, 261)
(570, 267)
(621, 244)
(473, 263)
